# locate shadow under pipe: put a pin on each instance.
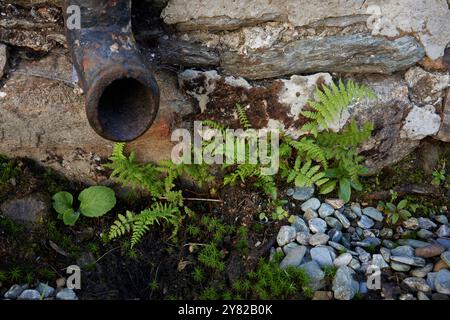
(122, 96)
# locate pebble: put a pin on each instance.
(403, 251)
(444, 242)
(322, 256)
(343, 260)
(335, 203)
(422, 296)
(300, 225)
(344, 286)
(350, 214)
(290, 192)
(417, 284)
(378, 261)
(15, 291)
(363, 288)
(339, 247)
(29, 295)
(386, 233)
(425, 234)
(386, 253)
(388, 244)
(315, 274)
(342, 219)
(369, 234)
(443, 231)
(285, 235)
(317, 225)
(333, 223)
(335, 235)
(365, 222)
(323, 295)
(303, 238)
(368, 243)
(356, 208)
(445, 256)
(426, 224)
(422, 272)
(400, 267)
(325, 210)
(294, 258)
(310, 214)
(313, 204)
(441, 219)
(45, 290)
(373, 214)
(303, 194)
(318, 239)
(413, 243)
(66, 294)
(440, 265)
(411, 261)
(354, 264)
(407, 296)
(442, 281)
(430, 251)
(431, 278)
(289, 247)
(411, 224)
(364, 256)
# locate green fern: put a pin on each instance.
(307, 174)
(331, 102)
(140, 224)
(243, 118)
(214, 125)
(351, 136)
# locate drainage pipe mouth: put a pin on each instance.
(122, 96)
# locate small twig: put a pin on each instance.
(106, 254)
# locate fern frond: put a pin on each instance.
(243, 118)
(312, 151)
(310, 175)
(331, 102)
(351, 136)
(214, 125)
(122, 225)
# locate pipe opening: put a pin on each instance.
(125, 110)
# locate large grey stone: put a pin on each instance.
(315, 274)
(29, 295)
(344, 286)
(15, 291)
(294, 257)
(403, 251)
(417, 284)
(325, 210)
(322, 256)
(31, 210)
(373, 214)
(66, 294)
(442, 282)
(411, 261)
(317, 225)
(365, 222)
(312, 204)
(285, 235)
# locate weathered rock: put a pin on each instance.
(426, 87)
(445, 256)
(443, 231)
(289, 247)
(31, 210)
(315, 274)
(343, 260)
(373, 214)
(318, 239)
(344, 286)
(433, 250)
(66, 294)
(303, 194)
(29, 295)
(317, 225)
(390, 19)
(310, 214)
(442, 219)
(364, 256)
(386, 233)
(422, 296)
(378, 261)
(285, 235)
(431, 279)
(403, 251)
(15, 291)
(294, 257)
(334, 223)
(303, 238)
(411, 223)
(442, 282)
(386, 254)
(323, 295)
(342, 219)
(365, 222)
(45, 290)
(417, 284)
(322, 256)
(325, 210)
(300, 225)
(312, 204)
(411, 261)
(440, 265)
(420, 123)
(422, 272)
(413, 243)
(400, 267)
(425, 234)
(335, 235)
(426, 224)
(3, 59)
(444, 242)
(335, 203)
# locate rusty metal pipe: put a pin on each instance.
(122, 96)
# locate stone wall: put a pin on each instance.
(210, 54)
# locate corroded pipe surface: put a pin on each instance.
(122, 96)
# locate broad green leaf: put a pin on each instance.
(394, 218)
(328, 187)
(96, 201)
(402, 204)
(70, 217)
(62, 201)
(345, 190)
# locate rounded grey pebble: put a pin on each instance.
(30, 295)
(66, 294)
